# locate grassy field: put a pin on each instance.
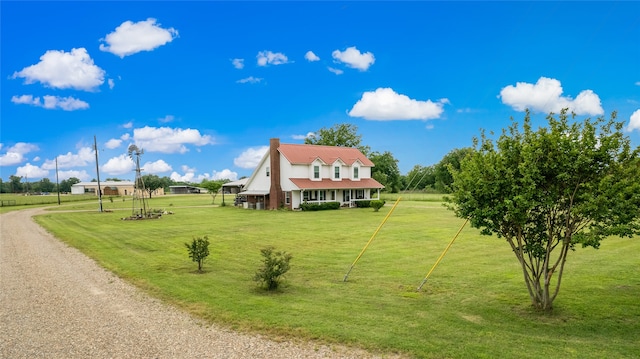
(474, 304)
(12, 202)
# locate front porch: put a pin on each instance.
(346, 197)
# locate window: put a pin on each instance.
(336, 172)
(355, 172)
(316, 171)
(322, 195)
(359, 193)
(268, 171)
(305, 196)
(287, 197)
(333, 195)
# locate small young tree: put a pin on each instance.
(213, 187)
(377, 204)
(198, 250)
(276, 264)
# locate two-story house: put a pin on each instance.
(291, 174)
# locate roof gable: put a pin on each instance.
(306, 154)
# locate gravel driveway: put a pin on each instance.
(57, 303)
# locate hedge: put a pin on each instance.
(319, 206)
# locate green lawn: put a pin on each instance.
(474, 304)
(12, 202)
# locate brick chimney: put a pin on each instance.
(276, 197)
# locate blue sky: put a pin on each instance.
(203, 86)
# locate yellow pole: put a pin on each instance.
(442, 255)
(372, 237)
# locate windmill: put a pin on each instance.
(139, 189)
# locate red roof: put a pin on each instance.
(305, 154)
(326, 183)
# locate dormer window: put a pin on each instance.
(336, 172)
(355, 172)
(316, 172)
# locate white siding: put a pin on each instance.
(287, 170)
(77, 189)
(365, 172)
(297, 171)
(261, 181)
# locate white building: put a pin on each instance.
(291, 174)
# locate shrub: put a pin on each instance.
(319, 206)
(275, 265)
(198, 250)
(363, 204)
(377, 204)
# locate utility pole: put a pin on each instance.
(95, 147)
(57, 182)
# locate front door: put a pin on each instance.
(346, 196)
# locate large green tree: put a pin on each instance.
(450, 162)
(152, 183)
(46, 185)
(343, 135)
(65, 185)
(420, 178)
(547, 190)
(386, 170)
(15, 184)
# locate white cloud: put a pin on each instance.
(26, 100)
(111, 83)
(51, 102)
(354, 58)
(168, 140)
(130, 38)
(251, 157)
(225, 174)
(385, 104)
(30, 171)
(113, 143)
(634, 121)
(120, 165)
(271, 58)
(334, 70)
(59, 69)
(159, 166)
(311, 57)
(65, 103)
(125, 137)
(238, 63)
(15, 154)
(189, 177)
(128, 125)
(546, 96)
(166, 119)
(250, 80)
(81, 175)
(186, 169)
(302, 137)
(84, 156)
